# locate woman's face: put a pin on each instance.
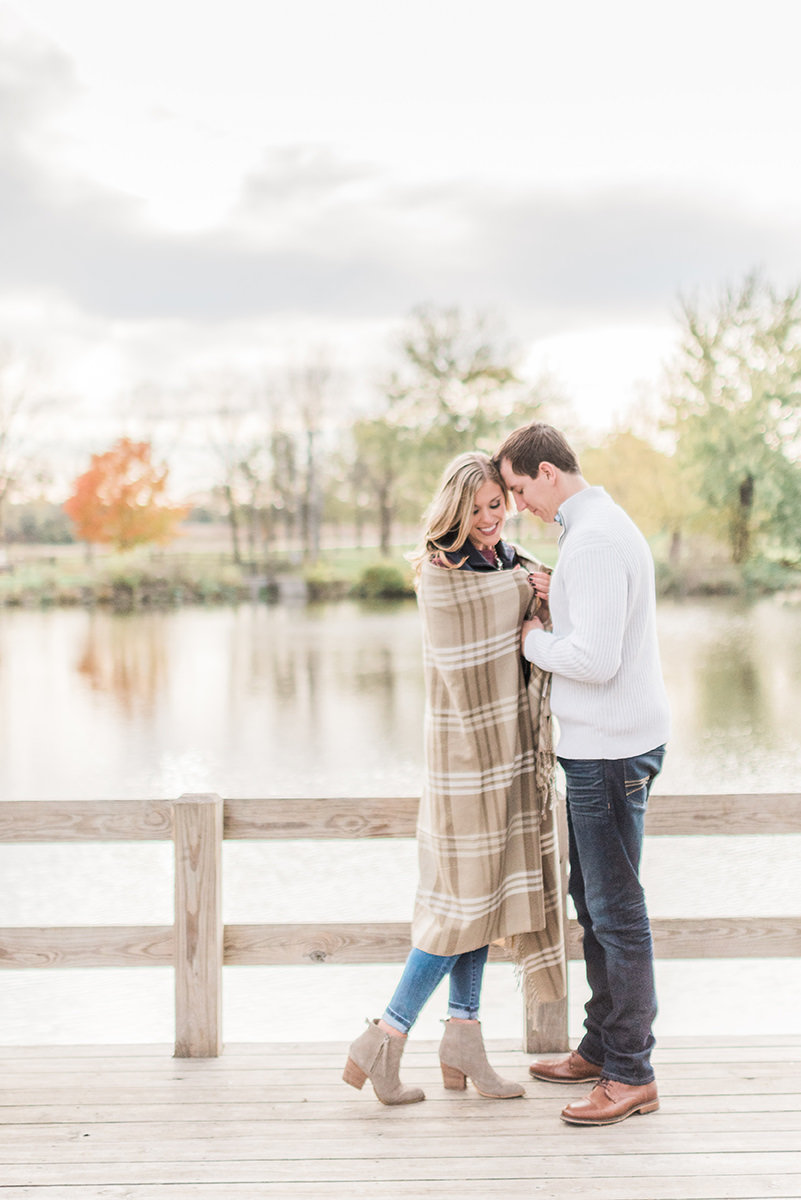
(489, 514)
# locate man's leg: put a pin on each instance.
(607, 800)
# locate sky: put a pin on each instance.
(189, 187)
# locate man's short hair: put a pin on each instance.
(536, 443)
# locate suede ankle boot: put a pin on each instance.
(376, 1056)
(462, 1056)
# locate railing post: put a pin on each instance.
(198, 836)
(546, 1024)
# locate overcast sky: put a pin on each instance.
(189, 183)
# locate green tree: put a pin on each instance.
(644, 481)
(456, 388)
(737, 414)
(458, 385)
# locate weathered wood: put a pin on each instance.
(321, 818)
(494, 1169)
(371, 817)
(715, 937)
(200, 948)
(389, 941)
(88, 946)
(373, 942)
(314, 943)
(771, 813)
(85, 820)
(343, 1145)
(742, 1187)
(198, 833)
(546, 1028)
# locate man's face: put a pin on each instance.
(538, 495)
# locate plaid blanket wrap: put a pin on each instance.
(486, 833)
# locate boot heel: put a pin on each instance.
(354, 1075)
(454, 1080)
(652, 1107)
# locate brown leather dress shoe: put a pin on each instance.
(611, 1101)
(573, 1069)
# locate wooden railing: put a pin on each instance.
(197, 945)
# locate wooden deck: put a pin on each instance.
(275, 1120)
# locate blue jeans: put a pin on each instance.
(422, 974)
(606, 803)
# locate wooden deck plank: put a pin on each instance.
(708, 1046)
(416, 1054)
(360, 1144)
(782, 1075)
(105, 1127)
(493, 1169)
(785, 1187)
(276, 1120)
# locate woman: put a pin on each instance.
(486, 831)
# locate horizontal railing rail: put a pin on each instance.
(197, 945)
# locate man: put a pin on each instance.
(609, 700)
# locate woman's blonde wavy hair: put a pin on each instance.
(449, 516)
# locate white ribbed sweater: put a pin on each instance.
(608, 694)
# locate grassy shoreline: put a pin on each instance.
(144, 579)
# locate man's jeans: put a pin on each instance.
(606, 803)
(423, 973)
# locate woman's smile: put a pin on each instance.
(489, 515)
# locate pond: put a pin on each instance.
(327, 700)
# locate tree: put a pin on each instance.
(121, 500)
(20, 407)
(457, 388)
(642, 480)
(308, 386)
(459, 385)
(383, 453)
(737, 414)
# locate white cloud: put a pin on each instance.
(188, 183)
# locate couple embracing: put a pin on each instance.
(487, 846)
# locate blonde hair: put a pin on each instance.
(449, 516)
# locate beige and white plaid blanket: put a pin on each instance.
(486, 834)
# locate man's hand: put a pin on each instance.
(534, 623)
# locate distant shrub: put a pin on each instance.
(383, 581)
(766, 575)
(38, 523)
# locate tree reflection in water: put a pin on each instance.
(125, 657)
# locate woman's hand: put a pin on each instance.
(541, 583)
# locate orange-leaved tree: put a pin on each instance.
(121, 500)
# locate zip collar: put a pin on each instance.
(571, 508)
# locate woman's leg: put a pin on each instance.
(376, 1054)
(421, 976)
(461, 1052)
(467, 974)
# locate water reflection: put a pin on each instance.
(126, 659)
(733, 673)
(259, 701)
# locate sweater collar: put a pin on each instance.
(571, 509)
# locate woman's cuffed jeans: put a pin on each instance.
(421, 976)
(606, 804)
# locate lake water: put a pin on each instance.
(328, 700)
